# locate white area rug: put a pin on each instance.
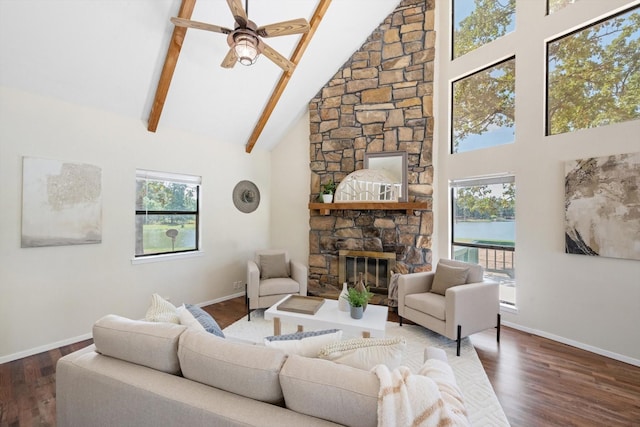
(482, 404)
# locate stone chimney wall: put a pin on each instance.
(380, 100)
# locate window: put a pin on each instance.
(483, 108)
(556, 5)
(167, 212)
(593, 75)
(478, 22)
(483, 228)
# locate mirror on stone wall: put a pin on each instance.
(392, 162)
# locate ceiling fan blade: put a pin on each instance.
(278, 59)
(229, 60)
(181, 22)
(294, 26)
(238, 12)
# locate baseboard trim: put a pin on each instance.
(73, 340)
(43, 348)
(217, 300)
(577, 344)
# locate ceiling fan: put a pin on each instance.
(245, 40)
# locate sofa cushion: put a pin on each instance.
(327, 390)
(447, 276)
(161, 310)
(365, 353)
(248, 370)
(205, 320)
(150, 344)
(273, 265)
(306, 344)
(427, 302)
(277, 286)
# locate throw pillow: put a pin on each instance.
(187, 319)
(365, 353)
(273, 266)
(161, 310)
(447, 277)
(208, 323)
(306, 344)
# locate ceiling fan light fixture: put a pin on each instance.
(246, 49)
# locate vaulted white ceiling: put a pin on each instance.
(108, 54)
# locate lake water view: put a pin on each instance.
(476, 230)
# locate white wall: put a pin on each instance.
(590, 302)
(51, 295)
(289, 226)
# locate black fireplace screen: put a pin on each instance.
(375, 267)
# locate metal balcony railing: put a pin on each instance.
(498, 263)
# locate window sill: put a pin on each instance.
(508, 308)
(165, 257)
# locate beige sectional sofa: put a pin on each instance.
(141, 373)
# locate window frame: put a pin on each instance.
(452, 101)
(557, 37)
(168, 177)
(452, 31)
(477, 181)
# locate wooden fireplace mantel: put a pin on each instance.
(408, 207)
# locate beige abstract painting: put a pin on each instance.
(602, 206)
(61, 203)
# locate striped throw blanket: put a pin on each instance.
(430, 398)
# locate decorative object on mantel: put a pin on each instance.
(246, 196)
(368, 185)
(327, 191)
(601, 196)
(394, 163)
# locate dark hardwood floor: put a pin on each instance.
(539, 382)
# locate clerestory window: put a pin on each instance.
(593, 75)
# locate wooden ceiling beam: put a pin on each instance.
(321, 9)
(173, 51)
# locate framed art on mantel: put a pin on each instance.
(394, 163)
(602, 214)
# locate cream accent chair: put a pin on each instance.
(270, 276)
(463, 309)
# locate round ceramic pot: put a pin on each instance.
(356, 312)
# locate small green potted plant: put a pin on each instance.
(357, 300)
(327, 190)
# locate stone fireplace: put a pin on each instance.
(376, 268)
(380, 100)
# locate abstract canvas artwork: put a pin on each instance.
(602, 206)
(61, 203)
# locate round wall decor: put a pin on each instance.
(246, 196)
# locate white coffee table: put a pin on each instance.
(372, 324)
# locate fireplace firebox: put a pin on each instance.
(376, 268)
